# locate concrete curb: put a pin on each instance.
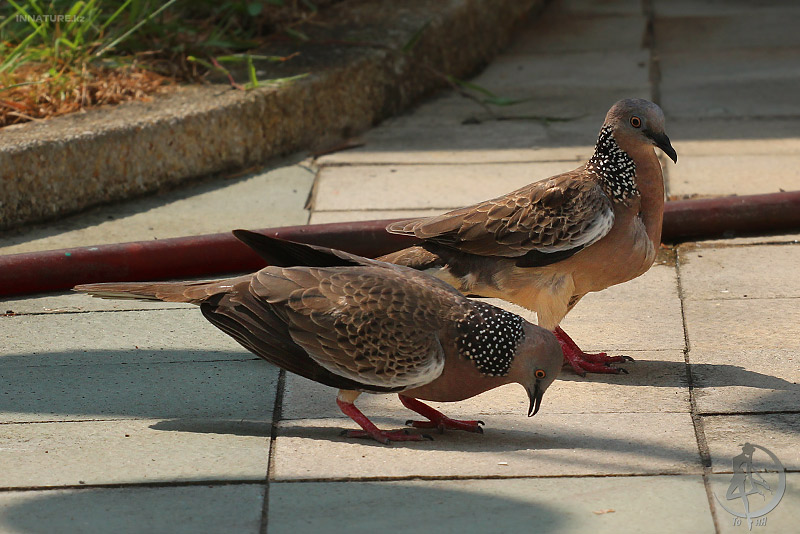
(52, 168)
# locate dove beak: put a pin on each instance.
(662, 141)
(535, 397)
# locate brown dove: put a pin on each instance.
(362, 325)
(548, 244)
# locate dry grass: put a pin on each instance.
(71, 92)
(112, 51)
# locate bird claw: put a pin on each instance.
(445, 423)
(386, 437)
(582, 362)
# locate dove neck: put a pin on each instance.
(488, 336)
(614, 167)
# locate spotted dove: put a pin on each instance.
(548, 244)
(362, 325)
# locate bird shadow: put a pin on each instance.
(490, 506)
(674, 374)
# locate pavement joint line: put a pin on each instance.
(484, 477)
(67, 312)
(126, 485)
(277, 413)
(704, 245)
(387, 417)
(764, 412)
(443, 163)
(222, 360)
(697, 420)
(69, 421)
(787, 297)
(115, 420)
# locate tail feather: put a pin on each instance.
(407, 227)
(283, 253)
(191, 292)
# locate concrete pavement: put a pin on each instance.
(139, 417)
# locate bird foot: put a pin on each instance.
(584, 362)
(386, 437)
(437, 419)
(445, 423)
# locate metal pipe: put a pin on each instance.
(216, 254)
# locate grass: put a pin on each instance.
(60, 56)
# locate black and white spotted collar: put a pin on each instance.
(614, 166)
(489, 337)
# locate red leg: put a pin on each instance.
(370, 430)
(582, 362)
(437, 419)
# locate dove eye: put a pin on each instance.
(636, 122)
(540, 373)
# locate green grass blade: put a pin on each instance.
(136, 26)
(415, 38)
(251, 70)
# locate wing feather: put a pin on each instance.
(556, 216)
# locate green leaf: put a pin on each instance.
(414, 39)
(297, 34)
(251, 70)
(9, 87)
(254, 9)
(504, 101)
(472, 86)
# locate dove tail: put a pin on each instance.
(191, 292)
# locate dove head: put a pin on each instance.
(635, 122)
(538, 361)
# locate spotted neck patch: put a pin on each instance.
(614, 166)
(489, 337)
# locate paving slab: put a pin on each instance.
(711, 273)
(557, 32)
(179, 510)
(422, 186)
(723, 325)
(778, 433)
(488, 142)
(702, 8)
(592, 7)
(744, 354)
(703, 136)
(70, 302)
(784, 518)
(274, 196)
(132, 451)
(727, 84)
(749, 379)
(710, 176)
(547, 444)
(602, 505)
(114, 337)
(321, 217)
(544, 73)
(766, 239)
(727, 31)
(243, 390)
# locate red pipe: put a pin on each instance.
(215, 254)
(726, 217)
